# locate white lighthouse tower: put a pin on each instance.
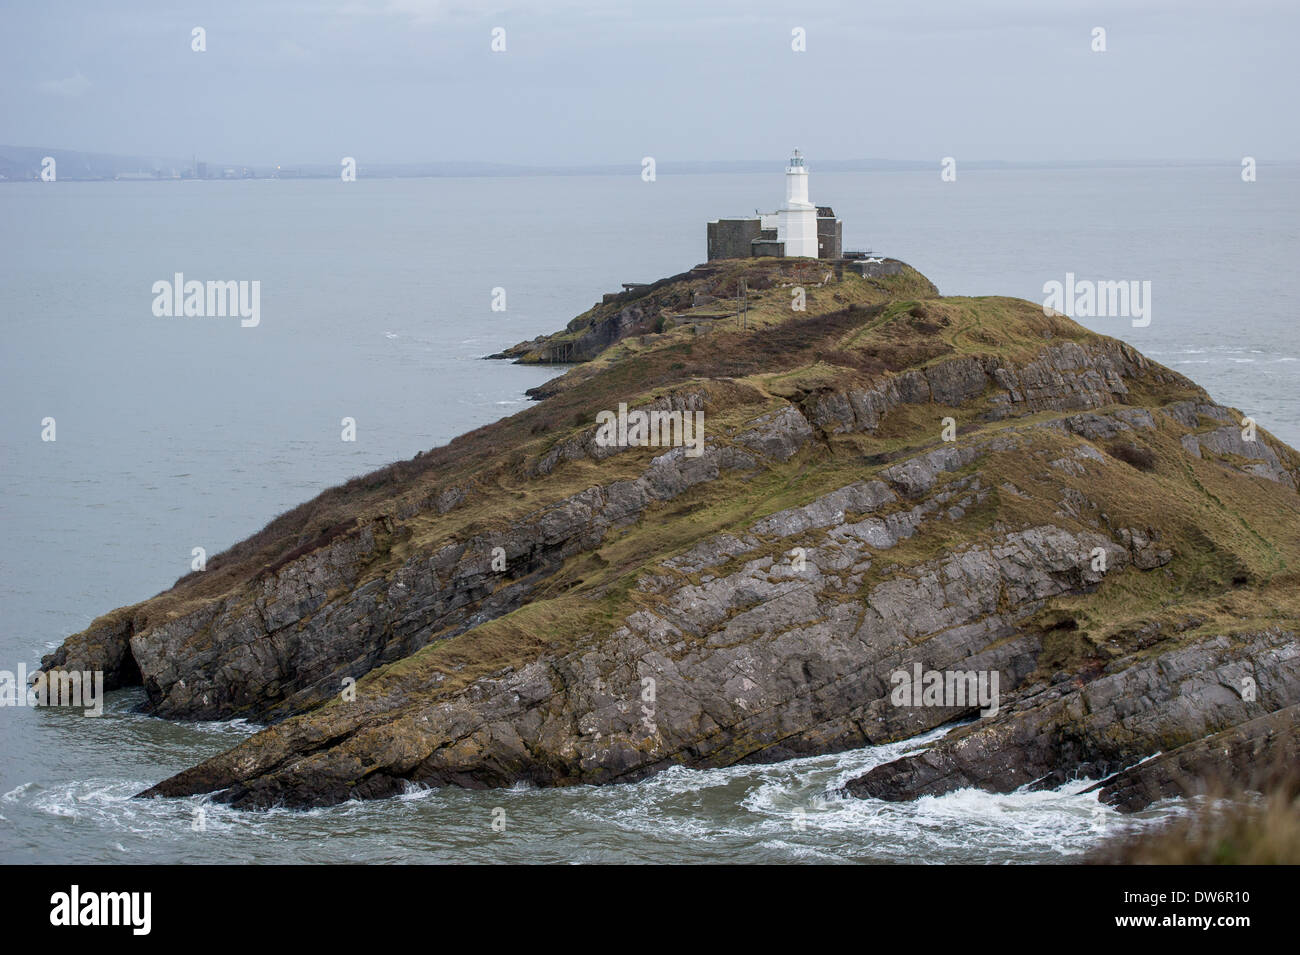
(796, 222)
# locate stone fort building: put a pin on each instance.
(797, 229)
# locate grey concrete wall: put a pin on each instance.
(731, 238)
(830, 238)
(872, 270)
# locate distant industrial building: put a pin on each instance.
(797, 229)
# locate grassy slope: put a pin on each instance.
(1226, 530)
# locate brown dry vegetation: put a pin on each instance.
(1233, 824)
(855, 332)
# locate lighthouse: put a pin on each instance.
(796, 221)
(799, 228)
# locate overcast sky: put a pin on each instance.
(584, 82)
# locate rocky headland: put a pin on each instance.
(888, 478)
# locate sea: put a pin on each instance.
(376, 307)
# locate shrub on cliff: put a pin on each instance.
(1243, 829)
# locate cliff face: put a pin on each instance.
(530, 604)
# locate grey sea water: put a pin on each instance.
(175, 433)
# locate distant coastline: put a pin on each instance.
(23, 164)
